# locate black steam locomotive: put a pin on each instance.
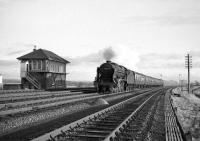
(112, 77)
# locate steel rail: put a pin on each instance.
(18, 91)
(49, 105)
(31, 108)
(174, 131)
(20, 95)
(19, 104)
(35, 97)
(126, 121)
(51, 135)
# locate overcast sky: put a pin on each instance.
(148, 36)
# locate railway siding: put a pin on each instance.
(187, 111)
(173, 129)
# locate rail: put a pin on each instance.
(75, 89)
(52, 135)
(173, 128)
(19, 91)
(50, 105)
(125, 122)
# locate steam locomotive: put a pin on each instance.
(112, 77)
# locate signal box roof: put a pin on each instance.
(42, 54)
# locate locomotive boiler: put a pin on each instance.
(111, 77)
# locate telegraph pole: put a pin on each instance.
(1, 82)
(188, 65)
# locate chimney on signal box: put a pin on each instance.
(34, 48)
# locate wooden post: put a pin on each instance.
(188, 65)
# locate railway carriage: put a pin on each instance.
(140, 80)
(112, 77)
(149, 81)
(130, 80)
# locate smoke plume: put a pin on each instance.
(108, 54)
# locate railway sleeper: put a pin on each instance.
(97, 131)
(93, 132)
(131, 126)
(106, 124)
(113, 118)
(101, 128)
(119, 113)
(89, 131)
(87, 137)
(122, 115)
(109, 122)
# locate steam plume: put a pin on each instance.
(108, 54)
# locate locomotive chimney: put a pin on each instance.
(108, 61)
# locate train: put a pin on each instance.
(112, 77)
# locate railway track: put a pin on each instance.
(111, 122)
(30, 92)
(18, 131)
(145, 116)
(28, 106)
(35, 102)
(18, 91)
(17, 98)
